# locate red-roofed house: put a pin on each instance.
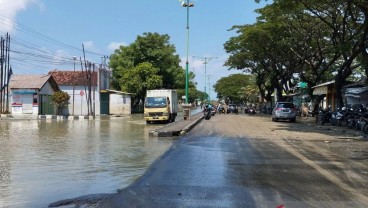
(89, 94)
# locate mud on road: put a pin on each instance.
(249, 161)
(338, 154)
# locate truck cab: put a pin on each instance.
(159, 106)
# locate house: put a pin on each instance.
(328, 91)
(89, 94)
(119, 102)
(356, 93)
(31, 94)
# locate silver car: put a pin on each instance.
(284, 110)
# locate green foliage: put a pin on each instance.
(228, 88)
(152, 48)
(138, 79)
(313, 41)
(61, 100)
(148, 63)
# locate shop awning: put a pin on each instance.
(322, 89)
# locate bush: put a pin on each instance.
(61, 99)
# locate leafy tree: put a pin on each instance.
(228, 88)
(140, 78)
(328, 35)
(132, 60)
(249, 93)
(61, 100)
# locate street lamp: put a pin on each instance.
(187, 4)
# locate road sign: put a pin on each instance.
(81, 93)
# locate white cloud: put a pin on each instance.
(115, 45)
(9, 10)
(90, 47)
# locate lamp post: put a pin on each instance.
(187, 4)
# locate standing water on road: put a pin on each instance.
(46, 161)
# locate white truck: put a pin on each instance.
(161, 105)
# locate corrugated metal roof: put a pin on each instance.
(30, 81)
(355, 91)
(324, 84)
(116, 92)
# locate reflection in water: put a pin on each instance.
(45, 161)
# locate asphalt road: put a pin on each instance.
(249, 161)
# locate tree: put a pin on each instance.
(335, 32)
(163, 72)
(61, 100)
(139, 79)
(228, 88)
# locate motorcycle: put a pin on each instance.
(207, 113)
(252, 111)
(221, 109)
(324, 116)
(339, 116)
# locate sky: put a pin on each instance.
(47, 34)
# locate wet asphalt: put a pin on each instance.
(209, 169)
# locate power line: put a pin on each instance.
(205, 62)
(41, 36)
(24, 52)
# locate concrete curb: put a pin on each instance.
(44, 117)
(176, 132)
(190, 126)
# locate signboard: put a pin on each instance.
(320, 90)
(24, 91)
(81, 93)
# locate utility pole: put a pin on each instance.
(1, 72)
(104, 61)
(205, 62)
(74, 59)
(209, 87)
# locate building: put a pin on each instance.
(31, 94)
(89, 94)
(328, 91)
(356, 93)
(119, 102)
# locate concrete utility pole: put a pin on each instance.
(205, 62)
(74, 58)
(2, 60)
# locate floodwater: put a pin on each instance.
(45, 161)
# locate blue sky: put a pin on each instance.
(35, 26)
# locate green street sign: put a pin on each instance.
(302, 84)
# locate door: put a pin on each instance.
(47, 108)
(104, 104)
(27, 103)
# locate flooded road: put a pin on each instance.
(45, 161)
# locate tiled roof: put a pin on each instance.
(31, 81)
(73, 78)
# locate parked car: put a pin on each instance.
(285, 111)
(232, 108)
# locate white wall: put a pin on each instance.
(120, 104)
(80, 102)
(46, 89)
